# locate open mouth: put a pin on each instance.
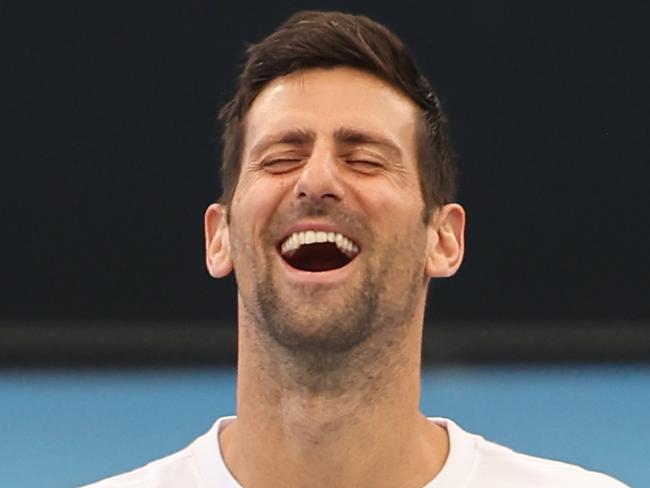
(317, 250)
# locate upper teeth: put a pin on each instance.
(297, 239)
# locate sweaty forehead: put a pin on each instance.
(324, 100)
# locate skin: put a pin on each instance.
(329, 363)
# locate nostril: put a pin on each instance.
(318, 181)
(303, 194)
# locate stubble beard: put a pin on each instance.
(320, 338)
(332, 340)
(337, 346)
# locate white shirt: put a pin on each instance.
(472, 462)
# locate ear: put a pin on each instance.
(446, 241)
(217, 241)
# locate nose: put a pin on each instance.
(320, 178)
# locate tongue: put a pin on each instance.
(317, 257)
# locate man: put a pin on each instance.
(337, 210)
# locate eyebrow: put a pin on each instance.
(298, 137)
(350, 137)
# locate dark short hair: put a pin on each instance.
(312, 39)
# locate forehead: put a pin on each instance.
(325, 100)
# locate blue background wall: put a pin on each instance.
(62, 429)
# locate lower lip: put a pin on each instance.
(332, 276)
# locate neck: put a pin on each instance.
(356, 425)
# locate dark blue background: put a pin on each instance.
(111, 154)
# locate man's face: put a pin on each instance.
(326, 231)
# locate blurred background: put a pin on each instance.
(115, 345)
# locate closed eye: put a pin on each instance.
(364, 161)
(365, 165)
(281, 165)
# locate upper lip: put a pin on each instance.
(318, 226)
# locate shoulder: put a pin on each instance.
(198, 465)
(178, 467)
(490, 465)
(498, 465)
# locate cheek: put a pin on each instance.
(253, 208)
(261, 189)
(399, 226)
(396, 210)
(254, 204)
